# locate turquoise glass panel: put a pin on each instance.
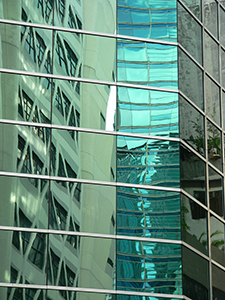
(147, 112)
(148, 213)
(147, 64)
(148, 161)
(149, 267)
(152, 19)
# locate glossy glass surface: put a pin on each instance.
(218, 279)
(194, 224)
(147, 64)
(195, 7)
(191, 125)
(148, 213)
(222, 25)
(151, 162)
(152, 19)
(20, 293)
(83, 155)
(215, 192)
(195, 279)
(214, 145)
(189, 33)
(192, 174)
(217, 240)
(140, 265)
(147, 112)
(211, 49)
(190, 79)
(210, 15)
(222, 67)
(212, 96)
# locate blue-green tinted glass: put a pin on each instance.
(152, 19)
(217, 240)
(152, 162)
(147, 64)
(149, 267)
(147, 112)
(148, 213)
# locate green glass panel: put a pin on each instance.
(148, 213)
(147, 64)
(149, 267)
(152, 162)
(216, 192)
(152, 19)
(195, 7)
(218, 283)
(147, 112)
(214, 145)
(217, 240)
(211, 50)
(212, 96)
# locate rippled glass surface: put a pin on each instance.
(218, 279)
(217, 240)
(149, 267)
(148, 213)
(195, 275)
(194, 224)
(152, 19)
(147, 161)
(190, 79)
(189, 34)
(147, 112)
(147, 64)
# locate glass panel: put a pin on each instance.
(147, 112)
(91, 57)
(93, 259)
(189, 34)
(222, 24)
(83, 155)
(190, 79)
(141, 264)
(82, 208)
(148, 213)
(20, 293)
(24, 149)
(25, 98)
(218, 278)
(214, 145)
(191, 126)
(195, 7)
(212, 96)
(152, 162)
(215, 192)
(24, 203)
(223, 107)
(217, 240)
(211, 56)
(210, 15)
(223, 67)
(84, 105)
(194, 224)
(151, 19)
(147, 64)
(23, 258)
(192, 174)
(195, 275)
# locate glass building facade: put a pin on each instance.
(112, 123)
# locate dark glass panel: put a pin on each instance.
(147, 112)
(211, 50)
(147, 161)
(217, 240)
(147, 64)
(189, 34)
(214, 145)
(80, 207)
(191, 126)
(194, 224)
(215, 192)
(149, 267)
(148, 213)
(218, 278)
(190, 79)
(153, 19)
(212, 96)
(195, 275)
(84, 155)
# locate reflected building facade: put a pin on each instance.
(112, 149)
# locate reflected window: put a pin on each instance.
(24, 222)
(61, 215)
(53, 158)
(62, 282)
(60, 55)
(72, 123)
(71, 20)
(44, 119)
(78, 83)
(62, 9)
(39, 131)
(77, 192)
(61, 170)
(55, 264)
(73, 239)
(24, 18)
(70, 276)
(66, 103)
(36, 255)
(58, 101)
(29, 44)
(73, 60)
(47, 70)
(27, 105)
(40, 48)
(27, 163)
(39, 4)
(48, 9)
(37, 167)
(21, 146)
(79, 23)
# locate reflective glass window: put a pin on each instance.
(217, 283)
(210, 15)
(195, 7)
(212, 96)
(211, 50)
(214, 145)
(215, 192)
(217, 240)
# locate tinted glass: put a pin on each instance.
(217, 240)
